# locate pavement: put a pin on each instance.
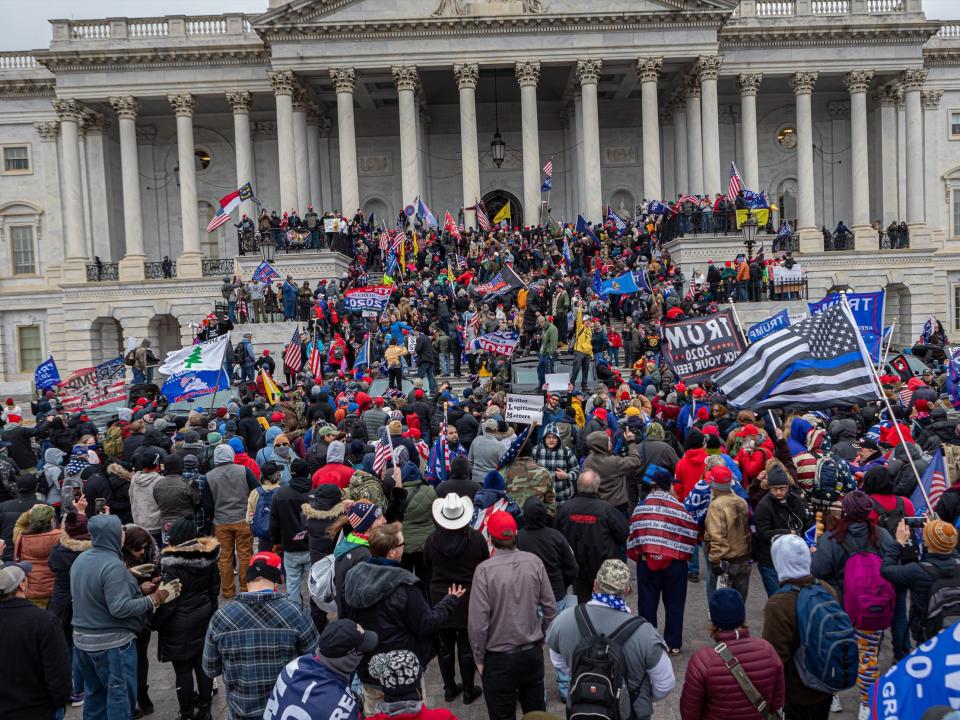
(695, 633)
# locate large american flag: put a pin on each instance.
(931, 486)
(383, 452)
(384, 240)
(548, 168)
(316, 361)
(293, 354)
(735, 185)
(483, 219)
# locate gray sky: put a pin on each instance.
(26, 27)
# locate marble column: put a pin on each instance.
(328, 201)
(69, 112)
(810, 238)
(912, 85)
(345, 81)
(51, 260)
(694, 139)
(103, 237)
(131, 266)
(528, 75)
(666, 152)
(680, 163)
(405, 78)
(467, 75)
(888, 97)
(313, 159)
(578, 138)
(284, 84)
(240, 102)
(648, 70)
(857, 83)
(300, 150)
(588, 73)
(933, 190)
(189, 263)
(708, 69)
(749, 84)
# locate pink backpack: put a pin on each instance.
(867, 598)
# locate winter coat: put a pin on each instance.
(689, 471)
(727, 528)
(485, 453)
(452, 556)
(828, 562)
(143, 505)
(710, 692)
(417, 514)
(61, 559)
(286, 518)
(10, 512)
(175, 498)
(230, 490)
(182, 623)
(383, 597)
(318, 522)
(843, 433)
(549, 545)
(948, 508)
(772, 518)
(612, 469)
(464, 487)
(595, 530)
(349, 552)
(526, 479)
(35, 549)
(904, 481)
(907, 574)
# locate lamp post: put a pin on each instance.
(267, 247)
(749, 230)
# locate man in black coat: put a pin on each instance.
(20, 448)
(460, 480)
(549, 545)
(11, 510)
(426, 361)
(780, 512)
(594, 528)
(287, 527)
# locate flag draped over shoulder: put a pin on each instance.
(661, 529)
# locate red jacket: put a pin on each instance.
(689, 471)
(752, 462)
(333, 474)
(241, 458)
(710, 691)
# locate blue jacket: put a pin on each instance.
(106, 597)
(308, 688)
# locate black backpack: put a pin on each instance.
(943, 602)
(598, 673)
(890, 519)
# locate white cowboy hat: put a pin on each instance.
(452, 512)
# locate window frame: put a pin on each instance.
(950, 133)
(3, 157)
(33, 249)
(954, 212)
(955, 310)
(19, 337)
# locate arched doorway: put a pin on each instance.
(787, 201)
(106, 339)
(898, 306)
(496, 199)
(624, 204)
(164, 334)
(377, 209)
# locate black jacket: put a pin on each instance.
(319, 519)
(424, 350)
(34, 664)
(286, 516)
(464, 487)
(60, 561)
(182, 624)
(175, 498)
(940, 430)
(911, 575)
(595, 530)
(548, 544)
(250, 430)
(948, 508)
(467, 428)
(452, 556)
(10, 511)
(21, 450)
(773, 519)
(131, 445)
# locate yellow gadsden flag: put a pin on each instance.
(270, 388)
(504, 214)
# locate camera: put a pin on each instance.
(915, 522)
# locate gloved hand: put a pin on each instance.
(168, 591)
(143, 571)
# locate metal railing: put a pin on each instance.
(103, 272)
(157, 271)
(217, 267)
(789, 243)
(894, 241)
(833, 242)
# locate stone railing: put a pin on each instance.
(824, 8)
(949, 32)
(150, 28)
(18, 60)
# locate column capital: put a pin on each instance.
(47, 131)
(692, 87)
(283, 81)
(858, 81)
(300, 99)
(931, 99)
(802, 82)
(405, 77)
(665, 113)
(68, 109)
(648, 68)
(708, 66)
(588, 71)
(146, 134)
(528, 73)
(678, 103)
(344, 79)
(913, 79)
(240, 100)
(749, 83)
(183, 104)
(125, 106)
(94, 122)
(467, 75)
(838, 110)
(888, 95)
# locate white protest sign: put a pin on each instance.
(558, 381)
(525, 409)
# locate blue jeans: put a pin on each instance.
(425, 370)
(232, 310)
(109, 682)
(446, 363)
(544, 366)
(768, 574)
(249, 373)
(563, 679)
(900, 629)
(75, 666)
(296, 566)
(693, 567)
(138, 377)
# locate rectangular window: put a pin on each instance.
(29, 347)
(954, 124)
(16, 159)
(956, 307)
(955, 196)
(21, 240)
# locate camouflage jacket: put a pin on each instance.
(524, 479)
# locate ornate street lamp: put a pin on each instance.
(498, 146)
(749, 230)
(267, 247)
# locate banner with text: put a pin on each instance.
(867, 309)
(769, 326)
(94, 387)
(373, 297)
(525, 409)
(501, 342)
(699, 348)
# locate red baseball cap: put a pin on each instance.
(681, 388)
(502, 526)
(276, 416)
(265, 565)
(748, 430)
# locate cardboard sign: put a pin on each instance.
(557, 381)
(526, 409)
(700, 348)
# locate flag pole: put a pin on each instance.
(893, 327)
(736, 316)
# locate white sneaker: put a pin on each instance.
(864, 713)
(835, 705)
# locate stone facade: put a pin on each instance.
(135, 127)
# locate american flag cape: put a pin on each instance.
(934, 482)
(662, 528)
(293, 354)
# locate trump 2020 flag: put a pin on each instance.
(190, 385)
(583, 229)
(265, 272)
(46, 376)
(934, 482)
(205, 356)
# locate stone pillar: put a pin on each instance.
(528, 75)
(588, 73)
(857, 83)
(405, 78)
(578, 138)
(103, 237)
(748, 85)
(240, 102)
(51, 260)
(933, 192)
(327, 200)
(467, 75)
(810, 238)
(694, 139)
(888, 97)
(189, 263)
(680, 163)
(912, 85)
(345, 80)
(284, 84)
(131, 266)
(300, 150)
(313, 159)
(69, 112)
(708, 68)
(666, 152)
(648, 69)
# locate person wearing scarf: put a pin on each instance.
(352, 547)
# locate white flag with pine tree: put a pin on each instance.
(205, 356)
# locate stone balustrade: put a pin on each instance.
(148, 29)
(824, 8)
(18, 60)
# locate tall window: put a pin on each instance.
(954, 124)
(29, 348)
(956, 307)
(21, 240)
(955, 194)
(16, 159)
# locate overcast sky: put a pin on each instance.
(26, 26)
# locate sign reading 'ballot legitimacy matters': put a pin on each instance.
(699, 348)
(526, 409)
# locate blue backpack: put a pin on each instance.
(827, 659)
(260, 525)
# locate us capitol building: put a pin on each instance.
(119, 139)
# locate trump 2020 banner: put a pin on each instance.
(501, 342)
(94, 387)
(373, 297)
(699, 348)
(760, 330)
(867, 309)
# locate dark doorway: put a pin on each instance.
(496, 199)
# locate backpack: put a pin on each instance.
(113, 442)
(363, 485)
(239, 354)
(260, 525)
(943, 603)
(130, 359)
(322, 583)
(833, 478)
(598, 671)
(890, 519)
(867, 598)
(828, 657)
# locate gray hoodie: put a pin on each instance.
(143, 506)
(228, 486)
(53, 473)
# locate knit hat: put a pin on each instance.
(939, 537)
(342, 637)
(326, 430)
(181, 530)
(125, 414)
(613, 577)
(791, 557)
(214, 438)
(191, 437)
(693, 440)
(395, 670)
(857, 506)
(300, 468)
(662, 479)
(362, 515)
(721, 478)
(236, 443)
(190, 462)
(727, 611)
(502, 526)
(75, 525)
(395, 427)
(655, 431)
(777, 477)
(494, 481)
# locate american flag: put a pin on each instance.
(548, 168)
(461, 262)
(483, 219)
(933, 482)
(382, 455)
(218, 221)
(689, 199)
(735, 186)
(438, 459)
(384, 240)
(293, 354)
(316, 362)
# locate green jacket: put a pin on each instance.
(549, 338)
(418, 515)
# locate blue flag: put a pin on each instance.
(46, 376)
(547, 185)
(616, 220)
(953, 379)
(927, 334)
(183, 386)
(424, 212)
(655, 207)
(597, 283)
(623, 285)
(867, 309)
(755, 201)
(583, 229)
(769, 326)
(265, 272)
(934, 483)
(566, 252)
(363, 357)
(875, 343)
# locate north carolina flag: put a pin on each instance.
(229, 203)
